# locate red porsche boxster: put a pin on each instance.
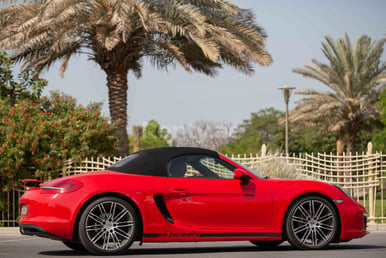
(187, 194)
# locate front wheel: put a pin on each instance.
(108, 226)
(312, 223)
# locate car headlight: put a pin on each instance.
(344, 191)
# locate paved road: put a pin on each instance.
(371, 246)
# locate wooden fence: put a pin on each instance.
(363, 175)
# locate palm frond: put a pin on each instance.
(355, 75)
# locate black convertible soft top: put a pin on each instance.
(154, 162)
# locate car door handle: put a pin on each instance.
(180, 191)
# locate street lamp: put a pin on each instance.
(286, 93)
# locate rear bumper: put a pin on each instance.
(49, 215)
(33, 230)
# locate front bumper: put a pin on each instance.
(354, 220)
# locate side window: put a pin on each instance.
(177, 167)
(197, 166)
(218, 167)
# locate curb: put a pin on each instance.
(15, 230)
(373, 227)
(9, 231)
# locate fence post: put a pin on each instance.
(263, 150)
(371, 187)
(64, 169)
(339, 151)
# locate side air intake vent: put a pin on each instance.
(159, 201)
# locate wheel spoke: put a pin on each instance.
(124, 224)
(299, 219)
(102, 210)
(314, 238)
(320, 211)
(326, 226)
(115, 239)
(98, 236)
(304, 211)
(300, 228)
(112, 209)
(96, 218)
(321, 234)
(105, 245)
(120, 215)
(122, 233)
(306, 236)
(326, 217)
(94, 227)
(312, 208)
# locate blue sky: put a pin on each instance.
(295, 32)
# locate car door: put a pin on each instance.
(203, 194)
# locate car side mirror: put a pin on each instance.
(241, 175)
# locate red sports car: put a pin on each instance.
(187, 194)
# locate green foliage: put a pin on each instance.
(354, 75)
(28, 86)
(379, 139)
(38, 133)
(200, 36)
(262, 128)
(311, 140)
(153, 136)
(267, 127)
(36, 136)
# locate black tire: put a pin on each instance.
(107, 226)
(312, 223)
(76, 246)
(267, 244)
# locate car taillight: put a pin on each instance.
(65, 186)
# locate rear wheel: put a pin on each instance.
(267, 244)
(312, 223)
(108, 226)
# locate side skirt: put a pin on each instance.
(210, 236)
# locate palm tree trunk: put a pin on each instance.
(339, 150)
(351, 142)
(117, 85)
(137, 130)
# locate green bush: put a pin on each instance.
(38, 135)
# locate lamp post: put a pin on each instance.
(286, 93)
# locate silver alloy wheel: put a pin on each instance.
(109, 225)
(313, 223)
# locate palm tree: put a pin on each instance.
(355, 75)
(199, 35)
